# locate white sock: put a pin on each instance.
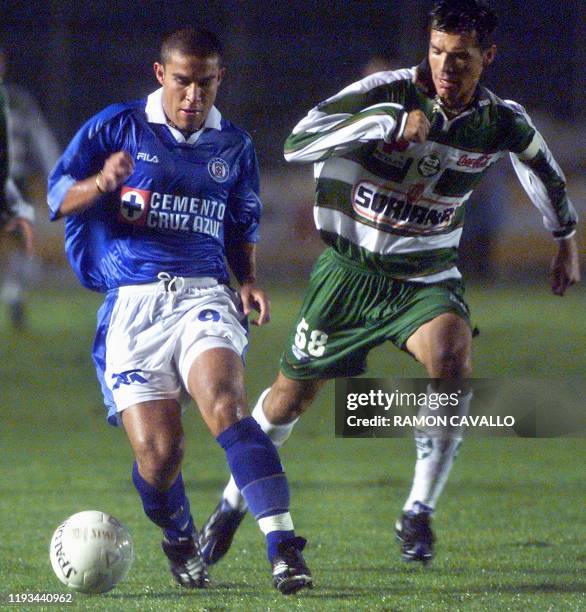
(277, 522)
(278, 435)
(11, 292)
(435, 457)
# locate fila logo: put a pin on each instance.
(150, 159)
(127, 378)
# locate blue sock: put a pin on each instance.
(274, 538)
(168, 509)
(257, 470)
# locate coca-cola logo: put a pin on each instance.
(474, 162)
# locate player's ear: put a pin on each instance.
(221, 74)
(159, 72)
(488, 56)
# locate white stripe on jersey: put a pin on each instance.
(380, 242)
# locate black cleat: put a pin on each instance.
(186, 563)
(290, 573)
(416, 537)
(218, 532)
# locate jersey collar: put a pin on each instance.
(155, 114)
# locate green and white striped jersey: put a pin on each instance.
(398, 207)
(3, 154)
(11, 201)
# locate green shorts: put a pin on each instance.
(348, 311)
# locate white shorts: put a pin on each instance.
(149, 336)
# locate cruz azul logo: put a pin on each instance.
(218, 169)
(134, 205)
(390, 209)
(170, 211)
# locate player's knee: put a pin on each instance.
(288, 400)
(450, 361)
(227, 408)
(159, 460)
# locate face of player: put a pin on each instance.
(457, 63)
(190, 85)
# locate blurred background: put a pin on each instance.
(73, 58)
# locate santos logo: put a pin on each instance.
(150, 159)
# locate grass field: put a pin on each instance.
(510, 526)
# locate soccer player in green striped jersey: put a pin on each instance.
(16, 215)
(396, 155)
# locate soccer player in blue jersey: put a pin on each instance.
(156, 194)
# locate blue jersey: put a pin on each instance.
(175, 213)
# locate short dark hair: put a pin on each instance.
(459, 16)
(191, 41)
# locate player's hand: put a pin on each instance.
(117, 168)
(25, 228)
(417, 127)
(255, 298)
(565, 267)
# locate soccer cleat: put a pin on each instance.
(414, 532)
(17, 315)
(218, 532)
(186, 563)
(290, 572)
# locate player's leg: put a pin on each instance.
(134, 364)
(319, 347)
(277, 411)
(17, 268)
(216, 383)
(443, 345)
(155, 433)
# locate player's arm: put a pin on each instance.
(241, 233)
(348, 120)
(94, 164)
(565, 266)
(85, 193)
(545, 184)
(20, 216)
(242, 260)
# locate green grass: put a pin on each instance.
(510, 525)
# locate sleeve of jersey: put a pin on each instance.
(336, 126)
(4, 210)
(17, 205)
(83, 157)
(544, 182)
(244, 205)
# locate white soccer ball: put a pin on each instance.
(91, 552)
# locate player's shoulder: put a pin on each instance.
(514, 127)
(389, 77)
(506, 107)
(385, 78)
(116, 113)
(228, 129)
(384, 86)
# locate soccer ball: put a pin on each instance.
(91, 552)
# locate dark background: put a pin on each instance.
(283, 57)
